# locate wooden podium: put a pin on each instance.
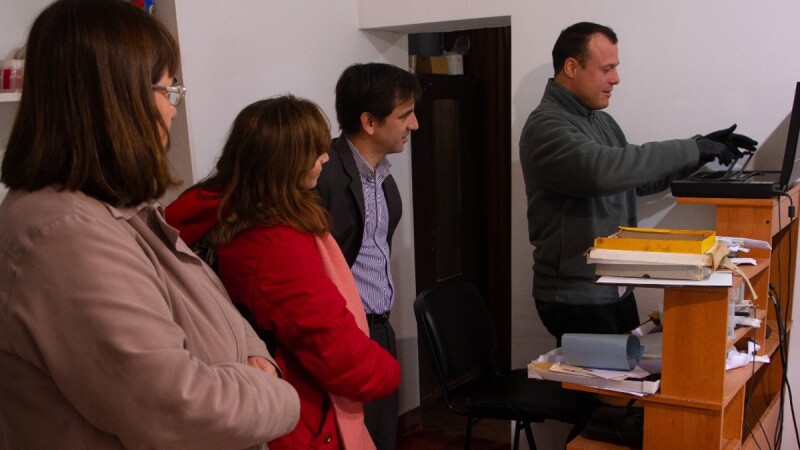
(700, 404)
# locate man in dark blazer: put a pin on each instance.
(375, 108)
(347, 208)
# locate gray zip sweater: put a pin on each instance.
(581, 179)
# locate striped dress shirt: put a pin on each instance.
(371, 269)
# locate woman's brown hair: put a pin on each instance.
(271, 147)
(87, 119)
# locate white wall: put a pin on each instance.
(686, 68)
(15, 20)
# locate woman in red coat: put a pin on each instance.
(261, 219)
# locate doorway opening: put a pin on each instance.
(461, 170)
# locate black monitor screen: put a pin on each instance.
(790, 170)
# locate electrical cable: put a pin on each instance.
(750, 430)
(782, 331)
(748, 396)
(778, 435)
(791, 406)
(786, 319)
(775, 296)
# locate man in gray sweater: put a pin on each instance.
(582, 178)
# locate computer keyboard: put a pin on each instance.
(713, 175)
(724, 175)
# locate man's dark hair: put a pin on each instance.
(572, 42)
(374, 88)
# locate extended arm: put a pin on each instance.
(567, 157)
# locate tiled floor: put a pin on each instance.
(438, 428)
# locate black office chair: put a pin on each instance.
(460, 339)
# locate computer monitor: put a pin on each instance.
(755, 183)
(791, 156)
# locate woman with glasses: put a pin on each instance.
(113, 334)
(174, 92)
(270, 234)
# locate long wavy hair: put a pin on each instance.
(271, 147)
(87, 120)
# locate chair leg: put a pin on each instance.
(468, 434)
(529, 435)
(516, 435)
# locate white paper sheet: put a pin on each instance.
(738, 243)
(718, 278)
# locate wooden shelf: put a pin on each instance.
(735, 379)
(773, 325)
(772, 342)
(729, 444)
(742, 332)
(768, 421)
(762, 264)
(725, 201)
(702, 405)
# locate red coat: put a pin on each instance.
(277, 272)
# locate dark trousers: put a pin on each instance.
(612, 318)
(380, 416)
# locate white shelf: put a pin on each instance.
(10, 96)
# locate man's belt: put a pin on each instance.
(377, 318)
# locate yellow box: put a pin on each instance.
(432, 64)
(658, 240)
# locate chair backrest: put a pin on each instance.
(455, 325)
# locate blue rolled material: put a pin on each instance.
(601, 351)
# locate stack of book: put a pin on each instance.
(657, 253)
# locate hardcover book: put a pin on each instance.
(658, 271)
(710, 258)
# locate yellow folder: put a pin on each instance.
(658, 240)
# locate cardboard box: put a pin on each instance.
(432, 64)
(711, 258)
(540, 370)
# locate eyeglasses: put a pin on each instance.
(174, 94)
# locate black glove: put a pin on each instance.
(732, 140)
(712, 149)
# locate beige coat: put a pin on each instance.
(113, 334)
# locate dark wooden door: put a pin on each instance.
(450, 236)
(461, 163)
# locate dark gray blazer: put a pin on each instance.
(339, 185)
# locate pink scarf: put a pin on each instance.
(349, 413)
